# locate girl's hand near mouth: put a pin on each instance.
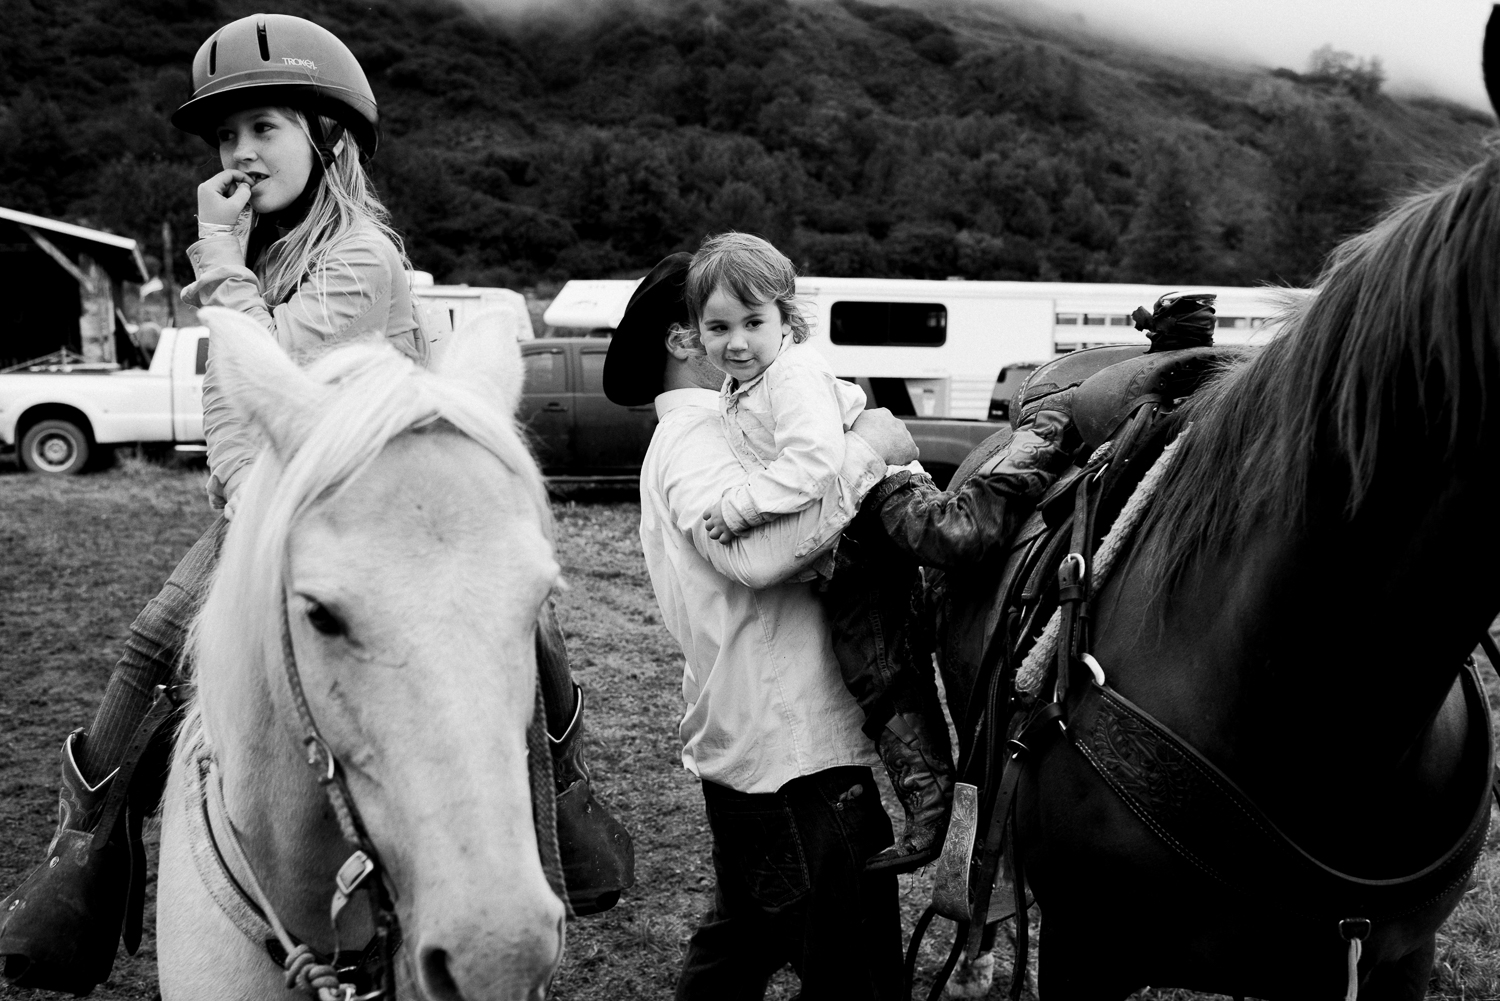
(223, 197)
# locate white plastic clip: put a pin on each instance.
(1094, 668)
(351, 876)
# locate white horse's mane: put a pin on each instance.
(373, 394)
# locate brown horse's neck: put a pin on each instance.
(1314, 663)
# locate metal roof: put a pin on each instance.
(118, 255)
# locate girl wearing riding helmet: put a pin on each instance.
(291, 233)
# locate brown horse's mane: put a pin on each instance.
(1401, 327)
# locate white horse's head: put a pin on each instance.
(403, 522)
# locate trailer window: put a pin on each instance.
(1092, 320)
(200, 366)
(890, 324)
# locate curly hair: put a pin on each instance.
(751, 270)
(684, 336)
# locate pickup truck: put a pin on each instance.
(59, 417)
(576, 432)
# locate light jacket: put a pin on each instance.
(787, 427)
(361, 292)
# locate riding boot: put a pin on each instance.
(598, 858)
(58, 931)
(914, 748)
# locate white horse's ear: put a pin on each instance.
(485, 354)
(259, 384)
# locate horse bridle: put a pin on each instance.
(362, 870)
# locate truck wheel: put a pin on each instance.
(59, 448)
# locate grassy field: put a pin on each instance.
(79, 557)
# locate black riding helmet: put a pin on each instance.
(278, 59)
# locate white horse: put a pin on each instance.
(398, 526)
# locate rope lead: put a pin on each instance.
(1354, 931)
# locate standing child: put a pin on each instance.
(785, 414)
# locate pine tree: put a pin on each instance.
(1165, 244)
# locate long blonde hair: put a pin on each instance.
(345, 199)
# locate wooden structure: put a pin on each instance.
(63, 286)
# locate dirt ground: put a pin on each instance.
(79, 557)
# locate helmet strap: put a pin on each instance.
(328, 146)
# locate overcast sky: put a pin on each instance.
(1429, 46)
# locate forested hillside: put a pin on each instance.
(954, 138)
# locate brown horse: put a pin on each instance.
(1297, 608)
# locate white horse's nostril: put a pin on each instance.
(437, 982)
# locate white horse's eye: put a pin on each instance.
(323, 620)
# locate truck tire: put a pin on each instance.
(57, 448)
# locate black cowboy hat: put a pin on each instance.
(638, 352)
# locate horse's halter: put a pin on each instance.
(362, 870)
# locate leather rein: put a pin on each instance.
(361, 871)
(367, 974)
(250, 908)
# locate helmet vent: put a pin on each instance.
(265, 47)
(213, 58)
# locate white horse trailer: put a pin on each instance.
(937, 348)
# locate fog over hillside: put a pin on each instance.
(1427, 47)
(964, 137)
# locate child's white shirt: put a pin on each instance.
(787, 427)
